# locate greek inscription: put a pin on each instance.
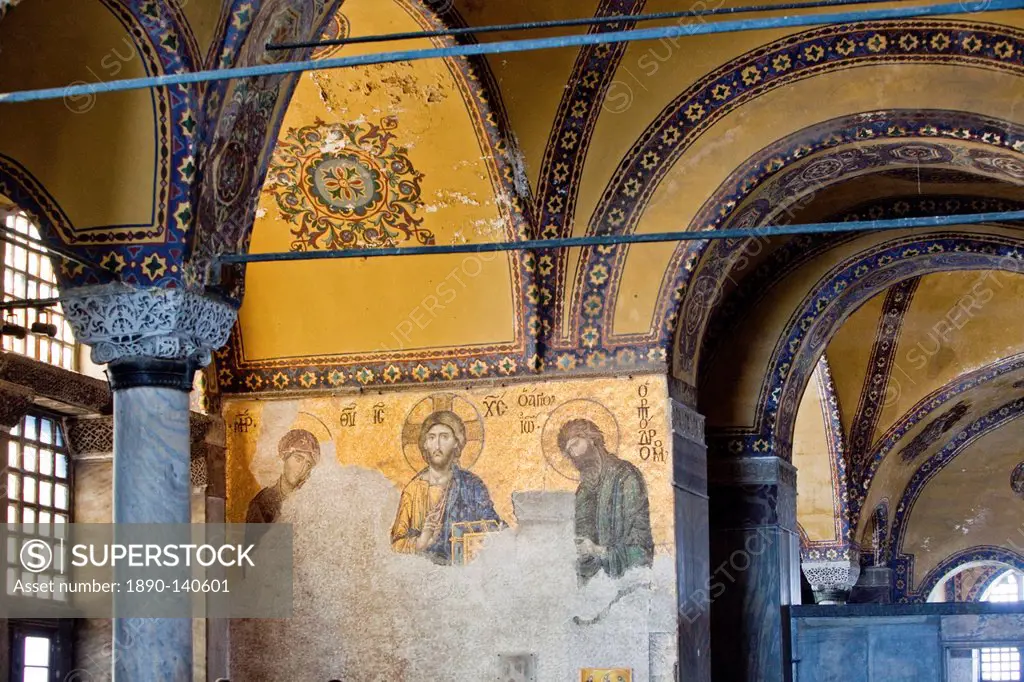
(348, 415)
(495, 405)
(243, 422)
(378, 413)
(527, 423)
(650, 446)
(535, 399)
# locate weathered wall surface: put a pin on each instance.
(519, 606)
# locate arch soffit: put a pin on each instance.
(789, 174)
(796, 57)
(473, 83)
(979, 389)
(161, 38)
(875, 264)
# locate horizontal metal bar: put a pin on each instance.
(508, 46)
(29, 303)
(41, 248)
(634, 238)
(566, 23)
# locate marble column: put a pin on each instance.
(755, 566)
(152, 341)
(690, 482)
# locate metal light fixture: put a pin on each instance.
(12, 328)
(42, 325)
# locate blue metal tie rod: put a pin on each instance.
(37, 303)
(567, 23)
(615, 239)
(508, 46)
(40, 248)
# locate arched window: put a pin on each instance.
(28, 274)
(1003, 663)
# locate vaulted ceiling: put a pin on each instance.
(878, 120)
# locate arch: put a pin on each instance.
(981, 555)
(499, 348)
(904, 563)
(920, 412)
(227, 214)
(19, 185)
(805, 164)
(992, 576)
(833, 297)
(155, 34)
(801, 56)
(802, 249)
(844, 542)
(690, 293)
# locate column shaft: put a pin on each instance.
(151, 485)
(690, 481)
(755, 567)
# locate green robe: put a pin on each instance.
(614, 513)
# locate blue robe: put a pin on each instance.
(468, 500)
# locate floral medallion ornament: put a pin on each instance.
(1017, 480)
(346, 186)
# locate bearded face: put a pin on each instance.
(585, 457)
(440, 447)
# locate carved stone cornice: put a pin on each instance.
(199, 425)
(14, 403)
(90, 437)
(55, 387)
(93, 437)
(123, 323)
(687, 422)
(752, 471)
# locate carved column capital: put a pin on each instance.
(832, 581)
(124, 324)
(14, 403)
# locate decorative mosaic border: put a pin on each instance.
(880, 362)
(903, 564)
(152, 255)
(782, 62)
(565, 155)
(824, 308)
(237, 375)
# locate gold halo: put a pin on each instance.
(316, 426)
(435, 403)
(581, 408)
